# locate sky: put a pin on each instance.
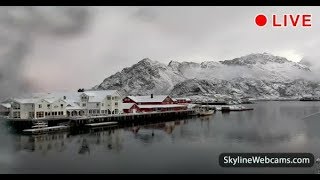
(66, 48)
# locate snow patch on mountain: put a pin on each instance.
(254, 75)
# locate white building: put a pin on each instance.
(65, 104)
(5, 109)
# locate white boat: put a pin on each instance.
(39, 125)
(206, 112)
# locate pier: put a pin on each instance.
(45, 129)
(101, 124)
(130, 117)
(25, 125)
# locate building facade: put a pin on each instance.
(154, 103)
(66, 104)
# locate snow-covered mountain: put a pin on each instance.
(254, 75)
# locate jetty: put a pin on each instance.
(101, 124)
(129, 117)
(45, 129)
(234, 108)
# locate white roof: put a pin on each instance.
(26, 100)
(70, 96)
(127, 105)
(6, 105)
(73, 105)
(161, 106)
(156, 98)
(187, 99)
(98, 96)
(94, 96)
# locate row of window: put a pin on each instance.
(96, 111)
(102, 104)
(116, 98)
(49, 106)
(56, 113)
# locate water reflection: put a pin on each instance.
(59, 142)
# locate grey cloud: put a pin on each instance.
(19, 26)
(117, 37)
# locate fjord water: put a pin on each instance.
(191, 145)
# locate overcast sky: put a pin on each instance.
(103, 40)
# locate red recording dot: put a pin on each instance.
(261, 20)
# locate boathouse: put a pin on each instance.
(154, 103)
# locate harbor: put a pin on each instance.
(32, 126)
(60, 111)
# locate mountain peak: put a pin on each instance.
(146, 60)
(255, 58)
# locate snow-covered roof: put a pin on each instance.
(6, 105)
(187, 99)
(161, 106)
(26, 100)
(54, 99)
(73, 106)
(98, 96)
(127, 105)
(141, 99)
(70, 96)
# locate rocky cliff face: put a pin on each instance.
(255, 75)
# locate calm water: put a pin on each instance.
(184, 146)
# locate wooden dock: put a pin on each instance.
(101, 124)
(132, 117)
(45, 129)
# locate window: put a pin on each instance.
(16, 106)
(31, 115)
(84, 105)
(55, 113)
(116, 103)
(112, 98)
(61, 105)
(90, 111)
(16, 114)
(40, 106)
(97, 104)
(48, 105)
(102, 111)
(102, 104)
(117, 98)
(108, 97)
(116, 111)
(46, 113)
(40, 114)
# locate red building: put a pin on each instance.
(182, 100)
(152, 103)
(130, 108)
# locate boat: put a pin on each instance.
(205, 111)
(39, 125)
